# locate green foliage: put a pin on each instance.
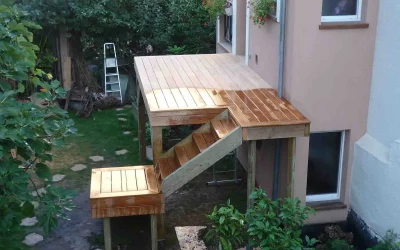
(166, 131)
(310, 243)
(276, 224)
(228, 226)
(27, 133)
(215, 8)
(338, 245)
(270, 224)
(391, 241)
(131, 24)
(176, 50)
(261, 8)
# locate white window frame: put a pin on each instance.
(348, 18)
(332, 196)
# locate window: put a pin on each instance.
(228, 19)
(341, 10)
(325, 166)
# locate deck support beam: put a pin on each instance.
(251, 171)
(153, 222)
(141, 126)
(107, 233)
(290, 173)
(156, 134)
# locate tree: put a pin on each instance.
(27, 133)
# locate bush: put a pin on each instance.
(27, 133)
(391, 241)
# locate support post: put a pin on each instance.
(107, 233)
(156, 134)
(153, 222)
(251, 172)
(290, 173)
(141, 126)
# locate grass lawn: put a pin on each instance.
(100, 134)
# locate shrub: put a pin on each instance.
(391, 241)
(27, 133)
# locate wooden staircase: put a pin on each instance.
(197, 152)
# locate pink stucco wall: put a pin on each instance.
(327, 77)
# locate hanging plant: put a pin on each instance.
(261, 8)
(215, 7)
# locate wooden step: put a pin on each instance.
(167, 166)
(191, 150)
(209, 138)
(180, 155)
(221, 128)
(200, 142)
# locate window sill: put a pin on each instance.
(344, 25)
(226, 45)
(325, 206)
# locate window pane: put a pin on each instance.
(323, 163)
(339, 7)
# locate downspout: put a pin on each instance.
(282, 38)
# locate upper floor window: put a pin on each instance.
(341, 10)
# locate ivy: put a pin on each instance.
(27, 133)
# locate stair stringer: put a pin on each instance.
(202, 161)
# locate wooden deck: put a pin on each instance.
(193, 89)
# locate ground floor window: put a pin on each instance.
(341, 10)
(325, 162)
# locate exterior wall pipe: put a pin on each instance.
(282, 38)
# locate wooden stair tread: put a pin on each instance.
(228, 125)
(209, 138)
(200, 142)
(190, 149)
(218, 129)
(181, 155)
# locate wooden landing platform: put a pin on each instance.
(193, 89)
(125, 191)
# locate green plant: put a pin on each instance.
(391, 241)
(227, 226)
(27, 133)
(275, 224)
(261, 8)
(338, 245)
(214, 7)
(176, 50)
(310, 243)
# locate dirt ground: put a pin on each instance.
(186, 207)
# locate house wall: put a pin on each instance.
(327, 77)
(375, 186)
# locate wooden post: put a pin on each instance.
(251, 172)
(153, 222)
(291, 167)
(141, 127)
(107, 233)
(156, 134)
(65, 59)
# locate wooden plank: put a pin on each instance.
(144, 85)
(127, 201)
(106, 182)
(153, 226)
(209, 138)
(180, 154)
(251, 172)
(228, 125)
(124, 182)
(252, 106)
(279, 103)
(156, 142)
(164, 167)
(127, 211)
(267, 112)
(131, 182)
(270, 104)
(158, 94)
(290, 172)
(141, 179)
(116, 181)
(202, 161)
(274, 132)
(200, 142)
(218, 129)
(107, 233)
(95, 183)
(190, 149)
(152, 182)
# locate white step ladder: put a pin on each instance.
(111, 73)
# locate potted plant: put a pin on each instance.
(261, 8)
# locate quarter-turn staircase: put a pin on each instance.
(197, 152)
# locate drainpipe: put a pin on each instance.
(282, 38)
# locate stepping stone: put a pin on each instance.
(127, 132)
(28, 222)
(122, 114)
(122, 119)
(32, 239)
(119, 109)
(96, 158)
(78, 167)
(128, 106)
(121, 152)
(135, 138)
(40, 191)
(188, 237)
(58, 177)
(35, 204)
